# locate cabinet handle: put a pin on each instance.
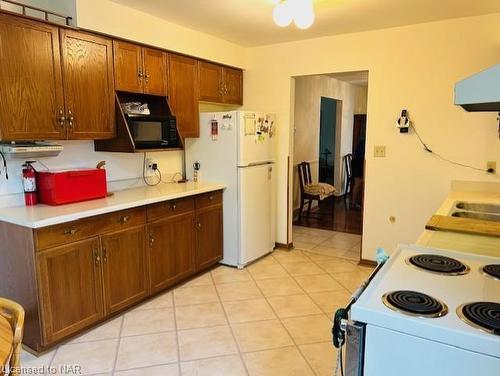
(97, 258)
(104, 255)
(140, 73)
(151, 240)
(70, 231)
(124, 219)
(61, 118)
(70, 118)
(211, 198)
(198, 225)
(173, 206)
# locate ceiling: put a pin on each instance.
(249, 22)
(359, 78)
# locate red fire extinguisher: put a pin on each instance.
(29, 183)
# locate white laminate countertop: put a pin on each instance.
(45, 215)
(468, 192)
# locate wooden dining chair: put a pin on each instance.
(14, 314)
(349, 179)
(305, 182)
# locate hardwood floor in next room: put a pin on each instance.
(271, 318)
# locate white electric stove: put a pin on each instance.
(427, 312)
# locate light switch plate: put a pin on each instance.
(379, 151)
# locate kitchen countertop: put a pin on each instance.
(45, 215)
(470, 192)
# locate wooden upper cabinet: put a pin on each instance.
(139, 69)
(183, 94)
(128, 67)
(210, 76)
(220, 84)
(125, 268)
(155, 71)
(70, 288)
(88, 85)
(31, 92)
(233, 86)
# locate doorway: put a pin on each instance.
(328, 123)
(330, 120)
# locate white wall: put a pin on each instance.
(307, 103)
(413, 67)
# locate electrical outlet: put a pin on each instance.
(149, 164)
(379, 151)
(491, 166)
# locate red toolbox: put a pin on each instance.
(64, 187)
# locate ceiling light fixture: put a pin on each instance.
(300, 11)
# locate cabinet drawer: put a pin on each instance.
(170, 208)
(69, 232)
(122, 219)
(209, 199)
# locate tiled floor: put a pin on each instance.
(327, 243)
(272, 318)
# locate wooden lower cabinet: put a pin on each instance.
(70, 286)
(171, 250)
(209, 238)
(80, 273)
(125, 268)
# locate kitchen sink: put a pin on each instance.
(478, 207)
(476, 215)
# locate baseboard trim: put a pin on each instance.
(367, 262)
(283, 245)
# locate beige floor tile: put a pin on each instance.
(351, 255)
(318, 257)
(166, 370)
(249, 310)
(330, 301)
(195, 295)
(202, 280)
(238, 291)
(329, 251)
(261, 335)
(321, 356)
(351, 280)
(31, 361)
(303, 268)
(309, 329)
(318, 283)
(312, 237)
(148, 322)
(300, 230)
(279, 286)
(226, 274)
(199, 316)
(230, 365)
(287, 361)
(338, 265)
(301, 245)
(266, 260)
(291, 256)
(93, 357)
(263, 271)
(108, 330)
(293, 305)
(344, 241)
(146, 351)
(206, 342)
(164, 300)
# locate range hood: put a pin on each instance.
(480, 92)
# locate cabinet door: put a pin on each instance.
(155, 71)
(128, 67)
(88, 85)
(183, 94)
(171, 250)
(125, 269)
(209, 238)
(70, 288)
(233, 86)
(31, 93)
(210, 76)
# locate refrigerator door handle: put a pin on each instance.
(251, 164)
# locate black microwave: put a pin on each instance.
(153, 132)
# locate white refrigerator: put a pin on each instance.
(238, 148)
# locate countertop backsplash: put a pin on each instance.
(123, 170)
